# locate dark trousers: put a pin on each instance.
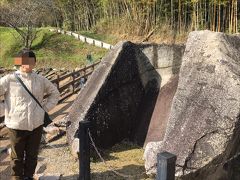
(24, 151)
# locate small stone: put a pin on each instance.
(47, 176)
(75, 148)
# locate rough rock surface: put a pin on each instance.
(204, 121)
(159, 119)
(112, 96)
(120, 96)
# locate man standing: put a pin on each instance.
(23, 116)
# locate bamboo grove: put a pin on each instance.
(139, 17)
(142, 16)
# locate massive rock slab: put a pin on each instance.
(153, 114)
(203, 127)
(160, 115)
(111, 99)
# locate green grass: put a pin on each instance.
(52, 50)
(9, 44)
(125, 158)
(101, 37)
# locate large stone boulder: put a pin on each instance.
(113, 96)
(203, 126)
(121, 96)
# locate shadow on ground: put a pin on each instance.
(131, 172)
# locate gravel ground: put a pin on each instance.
(55, 158)
(126, 158)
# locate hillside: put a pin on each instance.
(52, 50)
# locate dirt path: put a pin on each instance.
(54, 157)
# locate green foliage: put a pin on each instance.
(101, 37)
(10, 45)
(52, 50)
(140, 17)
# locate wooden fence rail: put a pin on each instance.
(69, 83)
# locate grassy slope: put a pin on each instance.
(52, 50)
(9, 44)
(101, 37)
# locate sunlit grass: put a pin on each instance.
(101, 37)
(51, 49)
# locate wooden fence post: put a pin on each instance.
(166, 166)
(84, 71)
(84, 154)
(58, 86)
(73, 84)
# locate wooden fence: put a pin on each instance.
(69, 83)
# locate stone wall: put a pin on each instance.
(166, 59)
(120, 96)
(112, 96)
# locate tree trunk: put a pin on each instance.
(219, 16)
(179, 16)
(172, 15)
(236, 14)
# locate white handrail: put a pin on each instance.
(85, 39)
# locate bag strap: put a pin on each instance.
(22, 83)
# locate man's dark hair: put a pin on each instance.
(26, 53)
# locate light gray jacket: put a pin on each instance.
(21, 110)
